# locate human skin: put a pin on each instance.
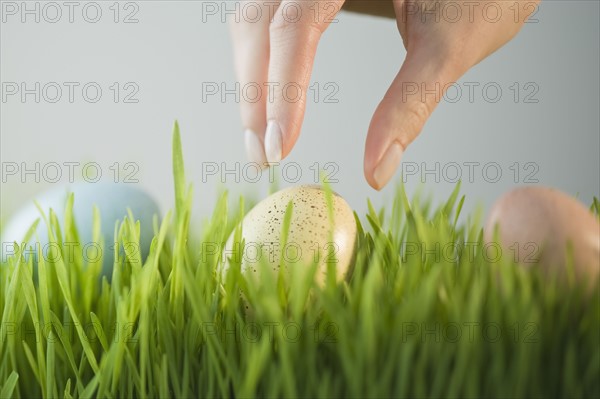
(440, 48)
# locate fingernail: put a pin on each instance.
(273, 142)
(387, 165)
(254, 148)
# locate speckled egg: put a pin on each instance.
(111, 199)
(536, 225)
(312, 235)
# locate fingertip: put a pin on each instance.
(254, 148)
(384, 146)
(380, 174)
(273, 142)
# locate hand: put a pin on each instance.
(443, 39)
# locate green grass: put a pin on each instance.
(403, 325)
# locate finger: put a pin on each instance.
(250, 35)
(294, 36)
(401, 115)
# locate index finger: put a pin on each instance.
(294, 36)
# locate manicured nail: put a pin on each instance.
(254, 148)
(273, 142)
(387, 165)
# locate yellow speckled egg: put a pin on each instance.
(536, 225)
(312, 236)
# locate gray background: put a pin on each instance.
(170, 52)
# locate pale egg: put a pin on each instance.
(112, 200)
(537, 225)
(313, 237)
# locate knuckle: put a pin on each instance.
(283, 24)
(418, 112)
(279, 25)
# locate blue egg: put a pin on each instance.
(112, 200)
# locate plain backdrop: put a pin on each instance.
(541, 128)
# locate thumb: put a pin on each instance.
(401, 115)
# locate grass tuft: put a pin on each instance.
(424, 313)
